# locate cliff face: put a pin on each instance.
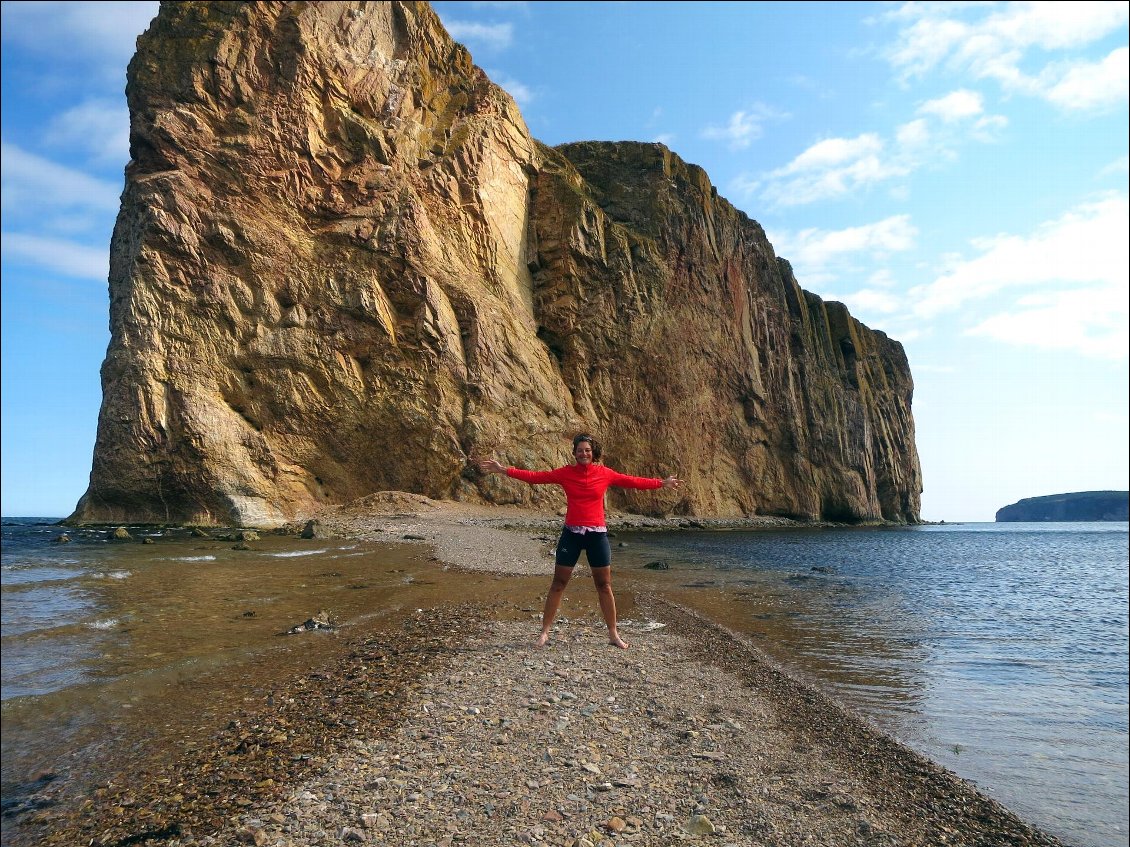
(1078, 506)
(342, 265)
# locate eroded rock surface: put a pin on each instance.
(342, 265)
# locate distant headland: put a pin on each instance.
(1079, 506)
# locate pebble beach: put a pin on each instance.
(447, 726)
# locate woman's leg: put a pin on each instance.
(603, 579)
(561, 575)
(599, 553)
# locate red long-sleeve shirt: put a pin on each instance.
(584, 488)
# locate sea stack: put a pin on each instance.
(342, 265)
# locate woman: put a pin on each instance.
(584, 482)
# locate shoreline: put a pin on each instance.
(364, 513)
(468, 537)
(446, 726)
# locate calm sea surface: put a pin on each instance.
(117, 652)
(998, 650)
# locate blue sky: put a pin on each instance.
(955, 173)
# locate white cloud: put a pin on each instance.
(1054, 26)
(99, 128)
(745, 185)
(836, 167)
(1028, 48)
(882, 279)
(61, 256)
(1071, 278)
(833, 168)
(1087, 87)
(914, 135)
(955, 106)
(957, 111)
(869, 301)
(106, 31)
(744, 126)
(834, 152)
(1091, 321)
(816, 249)
(665, 138)
(522, 93)
(821, 259)
(33, 185)
(988, 128)
(496, 36)
(905, 336)
(1085, 247)
(925, 42)
(1119, 167)
(740, 131)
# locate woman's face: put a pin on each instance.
(583, 452)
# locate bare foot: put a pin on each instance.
(544, 637)
(616, 641)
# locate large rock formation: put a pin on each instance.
(1077, 506)
(342, 265)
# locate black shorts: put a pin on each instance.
(595, 545)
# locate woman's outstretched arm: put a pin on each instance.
(532, 477)
(491, 466)
(621, 480)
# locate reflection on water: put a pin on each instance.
(999, 651)
(131, 645)
(173, 604)
(881, 674)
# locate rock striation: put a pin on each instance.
(1078, 506)
(342, 265)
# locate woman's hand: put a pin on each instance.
(672, 482)
(490, 466)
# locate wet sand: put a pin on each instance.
(445, 726)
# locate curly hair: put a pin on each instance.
(596, 448)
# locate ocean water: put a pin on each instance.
(997, 650)
(117, 651)
(92, 610)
